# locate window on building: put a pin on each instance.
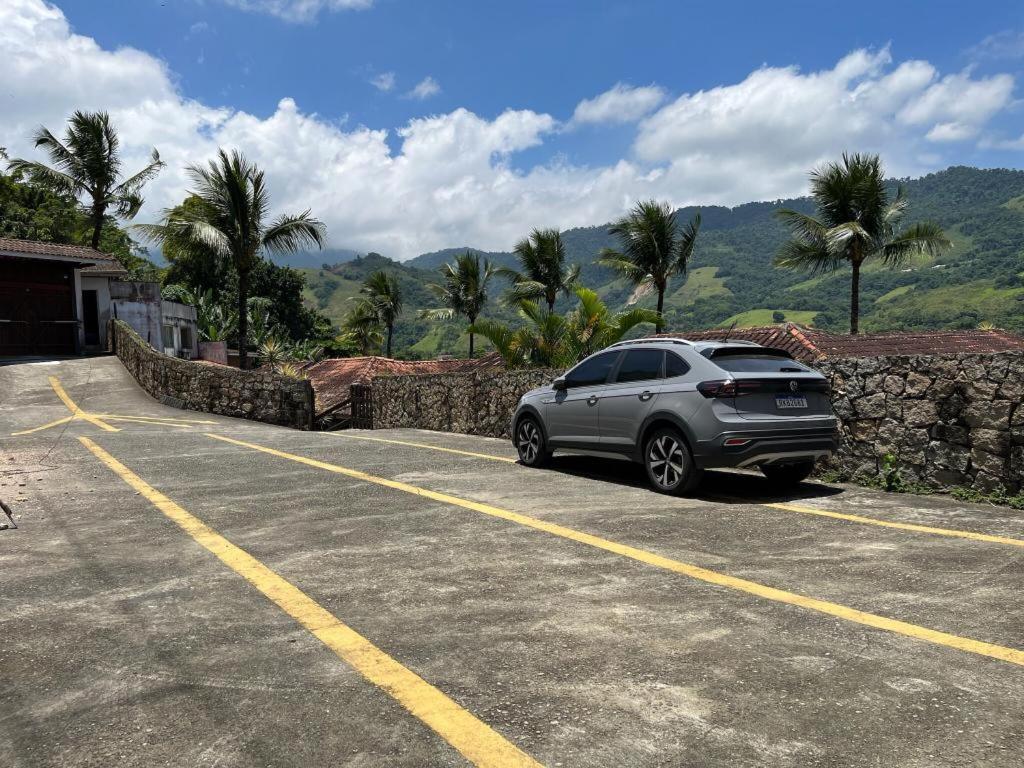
(186, 337)
(168, 336)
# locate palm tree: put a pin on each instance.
(543, 273)
(230, 219)
(591, 327)
(654, 248)
(361, 327)
(856, 221)
(384, 295)
(551, 340)
(464, 291)
(88, 163)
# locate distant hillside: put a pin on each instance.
(732, 277)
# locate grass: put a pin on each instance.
(1015, 204)
(755, 317)
(894, 293)
(700, 283)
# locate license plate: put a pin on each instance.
(790, 401)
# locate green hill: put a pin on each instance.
(732, 278)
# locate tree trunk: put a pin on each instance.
(471, 321)
(97, 224)
(661, 305)
(551, 301)
(855, 298)
(243, 319)
(391, 330)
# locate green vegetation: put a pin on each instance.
(543, 272)
(87, 163)
(464, 290)
(755, 317)
(225, 218)
(857, 222)
(894, 293)
(653, 249)
(548, 339)
(382, 300)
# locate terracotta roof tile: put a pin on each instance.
(100, 261)
(332, 378)
(810, 344)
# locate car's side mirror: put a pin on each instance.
(559, 384)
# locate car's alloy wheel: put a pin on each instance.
(530, 444)
(669, 464)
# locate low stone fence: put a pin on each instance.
(475, 403)
(951, 420)
(212, 388)
(947, 420)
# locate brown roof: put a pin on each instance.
(332, 378)
(99, 261)
(810, 344)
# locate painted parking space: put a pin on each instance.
(572, 652)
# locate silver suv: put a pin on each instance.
(680, 407)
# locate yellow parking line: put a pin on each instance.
(75, 410)
(953, 532)
(477, 741)
(56, 423)
(151, 418)
(979, 647)
(424, 445)
(937, 531)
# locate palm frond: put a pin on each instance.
(917, 239)
(290, 233)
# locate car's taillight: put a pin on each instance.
(728, 388)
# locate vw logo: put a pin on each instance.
(793, 386)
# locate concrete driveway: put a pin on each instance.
(192, 590)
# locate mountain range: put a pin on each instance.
(731, 278)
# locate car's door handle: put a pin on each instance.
(645, 395)
(592, 400)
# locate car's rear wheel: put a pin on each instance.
(669, 463)
(784, 476)
(530, 443)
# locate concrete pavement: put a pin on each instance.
(562, 617)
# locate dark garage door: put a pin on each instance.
(37, 308)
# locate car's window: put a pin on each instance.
(592, 371)
(758, 363)
(675, 365)
(640, 365)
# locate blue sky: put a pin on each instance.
(716, 102)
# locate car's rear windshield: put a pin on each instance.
(752, 362)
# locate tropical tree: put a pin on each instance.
(555, 341)
(361, 328)
(857, 220)
(214, 321)
(464, 290)
(654, 248)
(231, 219)
(383, 297)
(87, 163)
(542, 273)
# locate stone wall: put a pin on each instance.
(948, 420)
(953, 420)
(198, 386)
(477, 403)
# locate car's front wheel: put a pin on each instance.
(785, 476)
(669, 464)
(530, 443)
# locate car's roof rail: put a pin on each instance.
(654, 340)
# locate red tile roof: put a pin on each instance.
(332, 378)
(810, 344)
(99, 261)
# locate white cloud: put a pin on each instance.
(1006, 44)
(424, 89)
(620, 104)
(298, 10)
(385, 81)
(452, 180)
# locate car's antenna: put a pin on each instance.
(731, 327)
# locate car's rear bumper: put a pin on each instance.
(761, 446)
